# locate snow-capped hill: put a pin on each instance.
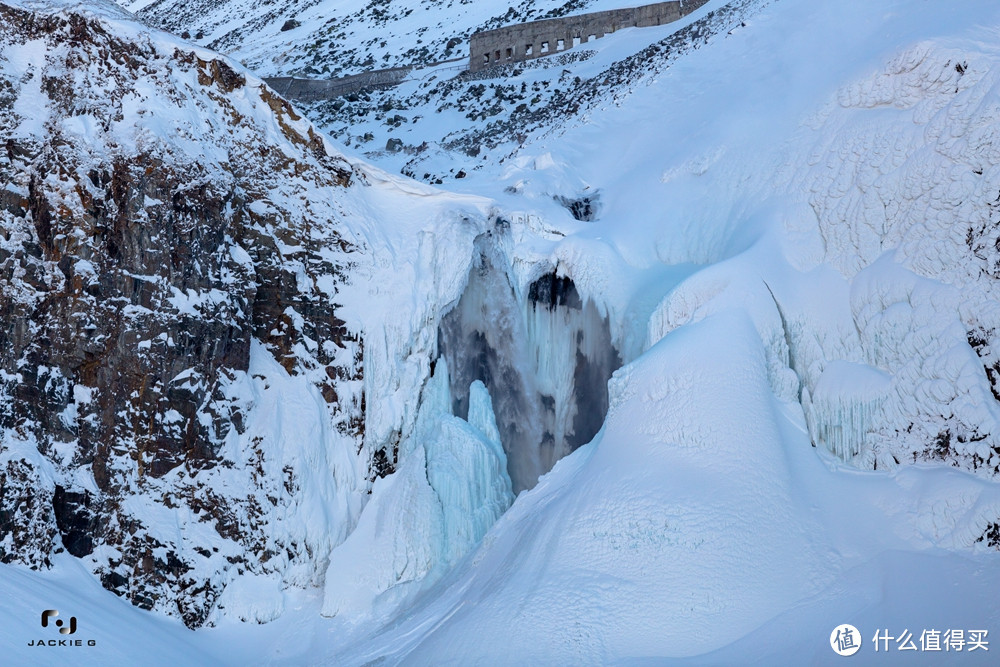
(799, 222)
(440, 121)
(97, 8)
(325, 39)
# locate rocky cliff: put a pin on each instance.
(171, 254)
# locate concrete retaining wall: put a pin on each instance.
(514, 43)
(525, 41)
(309, 90)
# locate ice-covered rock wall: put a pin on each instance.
(572, 358)
(546, 359)
(902, 182)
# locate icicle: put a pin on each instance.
(481, 414)
(546, 363)
(467, 468)
(847, 404)
(573, 358)
(436, 396)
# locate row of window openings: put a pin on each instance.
(530, 48)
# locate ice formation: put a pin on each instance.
(450, 487)
(847, 401)
(482, 339)
(572, 358)
(546, 360)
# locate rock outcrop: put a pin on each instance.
(163, 218)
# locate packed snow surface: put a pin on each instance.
(796, 255)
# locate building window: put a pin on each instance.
(486, 58)
(496, 55)
(528, 49)
(510, 53)
(560, 44)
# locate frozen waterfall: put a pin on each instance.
(450, 488)
(545, 360)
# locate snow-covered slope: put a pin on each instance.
(828, 176)
(324, 39)
(442, 121)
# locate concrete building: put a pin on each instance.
(525, 41)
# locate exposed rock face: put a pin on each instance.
(160, 215)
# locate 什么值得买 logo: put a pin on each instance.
(845, 640)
